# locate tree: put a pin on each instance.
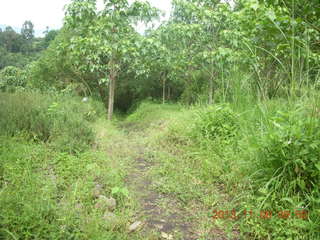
(49, 37)
(200, 43)
(104, 41)
(11, 41)
(27, 30)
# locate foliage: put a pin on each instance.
(49, 37)
(105, 40)
(191, 56)
(11, 41)
(19, 49)
(48, 119)
(271, 165)
(290, 152)
(48, 195)
(27, 30)
(282, 166)
(258, 58)
(12, 78)
(52, 69)
(218, 122)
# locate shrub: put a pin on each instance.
(48, 195)
(290, 152)
(60, 121)
(11, 78)
(287, 176)
(218, 122)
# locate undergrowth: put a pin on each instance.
(258, 158)
(61, 121)
(52, 159)
(48, 194)
(148, 113)
(259, 161)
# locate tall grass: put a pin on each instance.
(61, 121)
(264, 153)
(49, 195)
(46, 190)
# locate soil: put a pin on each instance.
(162, 215)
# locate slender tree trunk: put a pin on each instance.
(163, 89)
(169, 93)
(112, 85)
(211, 90)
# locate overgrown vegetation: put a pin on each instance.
(268, 163)
(50, 195)
(48, 119)
(237, 130)
(18, 49)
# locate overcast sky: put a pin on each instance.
(45, 13)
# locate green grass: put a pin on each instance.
(148, 113)
(47, 194)
(47, 182)
(238, 172)
(262, 156)
(62, 122)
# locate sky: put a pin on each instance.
(45, 13)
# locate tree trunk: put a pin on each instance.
(169, 93)
(112, 85)
(211, 90)
(163, 89)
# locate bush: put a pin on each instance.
(286, 176)
(289, 155)
(218, 122)
(146, 113)
(48, 195)
(11, 78)
(61, 121)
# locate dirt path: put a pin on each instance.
(163, 216)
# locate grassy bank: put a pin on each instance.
(54, 167)
(233, 164)
(252, 160)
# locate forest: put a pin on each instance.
(204, 126)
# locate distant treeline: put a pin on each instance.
(18, 49)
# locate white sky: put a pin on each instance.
(45, 13)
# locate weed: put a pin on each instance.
(48, 119)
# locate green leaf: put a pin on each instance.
(317, 166)
(254, 6)
(302, 184)
(103, 81)
(270, 14)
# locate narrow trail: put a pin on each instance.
(163, 216)
(160, 213)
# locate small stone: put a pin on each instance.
(105, 203)
(160, 227)
(135, 226)
(97, 191)
(166, 236)
(109, 216)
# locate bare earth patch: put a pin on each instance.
(162, 216)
